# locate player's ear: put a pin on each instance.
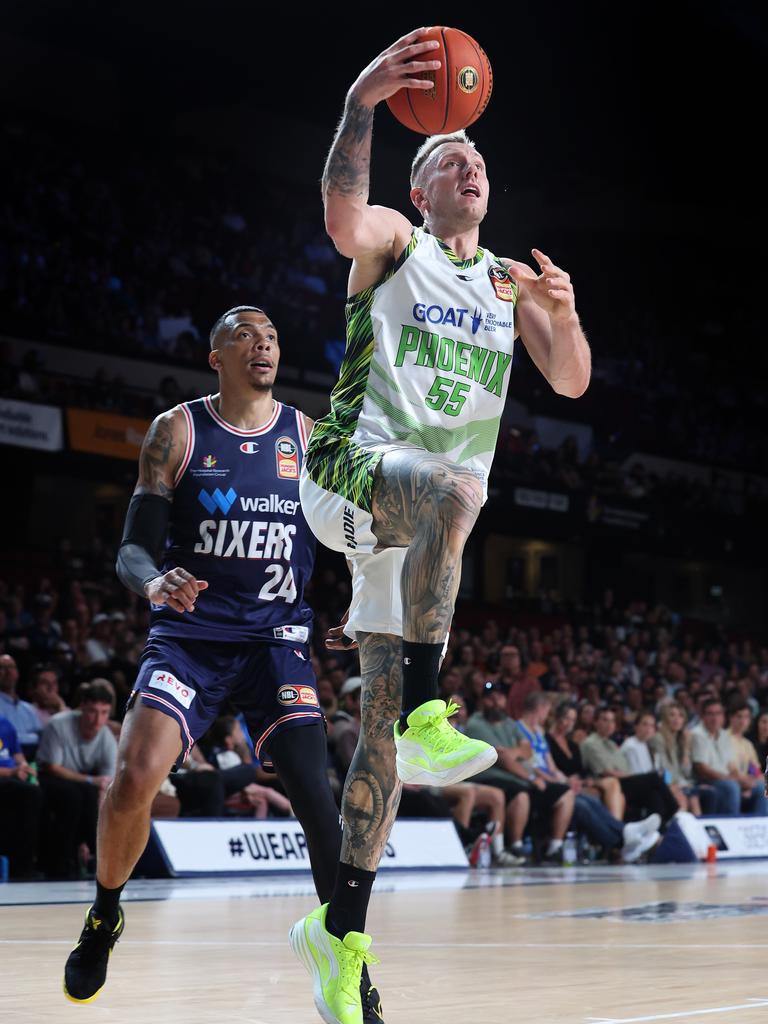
(419, 199)
(213, 359)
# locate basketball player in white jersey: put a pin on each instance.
(396, 473)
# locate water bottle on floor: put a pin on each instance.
(570, 850)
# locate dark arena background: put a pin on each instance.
(162, 164)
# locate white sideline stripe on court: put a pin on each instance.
(258, 943)
(751, 1005)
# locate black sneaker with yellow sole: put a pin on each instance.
(371, 1000)
(86, 968)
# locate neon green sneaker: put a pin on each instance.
(335, 966)
(432, 753)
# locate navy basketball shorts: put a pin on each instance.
(273, 685)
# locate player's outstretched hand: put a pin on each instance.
(177, 588)
(551, 290)
(397, 67)
(336, 639)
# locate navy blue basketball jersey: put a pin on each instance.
(236, 522)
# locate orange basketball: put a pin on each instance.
(463, 84)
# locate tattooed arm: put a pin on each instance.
(372, 789)
(146, 523)
(360, 231)
(161, 454)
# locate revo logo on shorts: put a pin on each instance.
(165, 681)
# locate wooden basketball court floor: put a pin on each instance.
(572, 946)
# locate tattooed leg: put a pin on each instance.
(430, 506)
(372, 790)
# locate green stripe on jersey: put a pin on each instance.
(478, 436)
(332, 460)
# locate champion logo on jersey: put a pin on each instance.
(249, 447)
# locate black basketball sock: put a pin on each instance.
(421, 664)
(107, 903)
(349, 903)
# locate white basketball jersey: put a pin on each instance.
(443, 339)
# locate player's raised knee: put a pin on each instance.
(459, 497)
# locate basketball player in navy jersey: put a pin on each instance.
(216, 540)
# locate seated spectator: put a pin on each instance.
(537, 666)
(465, 798)
(77, 758)
(567, 758)
(327, 699)
(240, 792)
(672, 753)
(44, 633)
(739, 721)
(20, 805)
(44, 693)
(585, 721)
(758, 734)
(602, 757)
(696, 717)
(98, 647)
(637, 749)
(714, 763)
(346, 729)
(515, 680)
(19, 713)
(553, 800)
(633, 704)
(508, 822)
(589, 814)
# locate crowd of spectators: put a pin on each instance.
(29, 380)
(140, 258)
(605, 715)
(521, 459)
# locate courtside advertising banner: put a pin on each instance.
(736, 837)
(209, 847)
(27, 425)
(105, 433)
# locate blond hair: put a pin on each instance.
(677, 746)
(427, 148)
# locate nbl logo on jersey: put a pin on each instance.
(287, 455)
(502, 284)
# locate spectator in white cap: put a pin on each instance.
(98, 647)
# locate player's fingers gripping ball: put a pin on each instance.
(462, 86)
